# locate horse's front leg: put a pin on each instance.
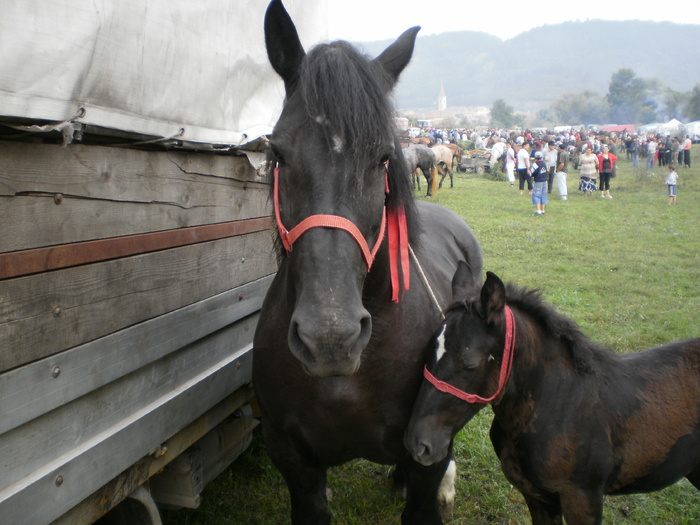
(429, 492)
(443, 172)
(306, 482)
(430, 176)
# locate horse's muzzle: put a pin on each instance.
(329, 345)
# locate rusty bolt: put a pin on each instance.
(240, 296)
(57, 311)
(58, 198)
(59, 480)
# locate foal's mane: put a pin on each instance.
(352, 94)
(586, 355)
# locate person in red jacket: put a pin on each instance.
(606, 167)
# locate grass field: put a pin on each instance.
(626, 269)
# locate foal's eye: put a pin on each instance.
(384, 160)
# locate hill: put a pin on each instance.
(532, 69)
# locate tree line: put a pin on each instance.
(629, 100)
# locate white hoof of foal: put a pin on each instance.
(446, 492)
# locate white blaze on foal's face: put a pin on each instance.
(440, 350)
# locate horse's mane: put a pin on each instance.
(585, 354)
(352, 93)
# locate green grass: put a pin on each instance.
(626, 269)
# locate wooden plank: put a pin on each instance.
(29, 447)
(86, 458)
(39, 387)
(38, 260)
(110, 495)
(36, 221)
(44, 314)
(51, 195)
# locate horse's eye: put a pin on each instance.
(277, 155)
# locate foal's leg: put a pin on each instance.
(542, 513)
(582, 506)
(306, 482)
(694, 477)
(422, 484)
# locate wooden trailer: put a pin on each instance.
(136, 248)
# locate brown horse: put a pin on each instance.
(572, 421)
(443, 158)
(456, 153)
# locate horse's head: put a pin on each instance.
(331, 146)
(468, 349)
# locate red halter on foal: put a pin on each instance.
(506, 367)
(398, 235)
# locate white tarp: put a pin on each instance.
(150, 67)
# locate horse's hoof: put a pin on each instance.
(446, 511)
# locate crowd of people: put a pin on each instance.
(541, 160)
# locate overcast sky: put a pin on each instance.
(367, 20)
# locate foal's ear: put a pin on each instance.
(493, 297)
(284, 48)
(461, 281)
(397, 56)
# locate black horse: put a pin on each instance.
(572, 421)
(337, 364)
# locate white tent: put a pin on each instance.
(161, 68)
(692, 129)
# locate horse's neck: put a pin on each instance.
(534, 362)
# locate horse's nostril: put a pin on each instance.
(422, 452)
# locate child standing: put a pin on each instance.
(540, 176)
(671, 182)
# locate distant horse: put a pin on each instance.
(572, 421)
(419, 156)
(456, 153)
(425, 141)
(341, 339)
(443, 156)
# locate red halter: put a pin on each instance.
(506, 367)
(398, 235)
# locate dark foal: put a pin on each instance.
(572, 421)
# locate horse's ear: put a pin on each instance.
(284, 48)
(461, 281)
(397, 56)
(493, 297)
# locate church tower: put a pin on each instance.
(442, 99)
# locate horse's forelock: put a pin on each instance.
(349, 93)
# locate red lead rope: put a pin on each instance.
(398, 235)
(506, 367)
